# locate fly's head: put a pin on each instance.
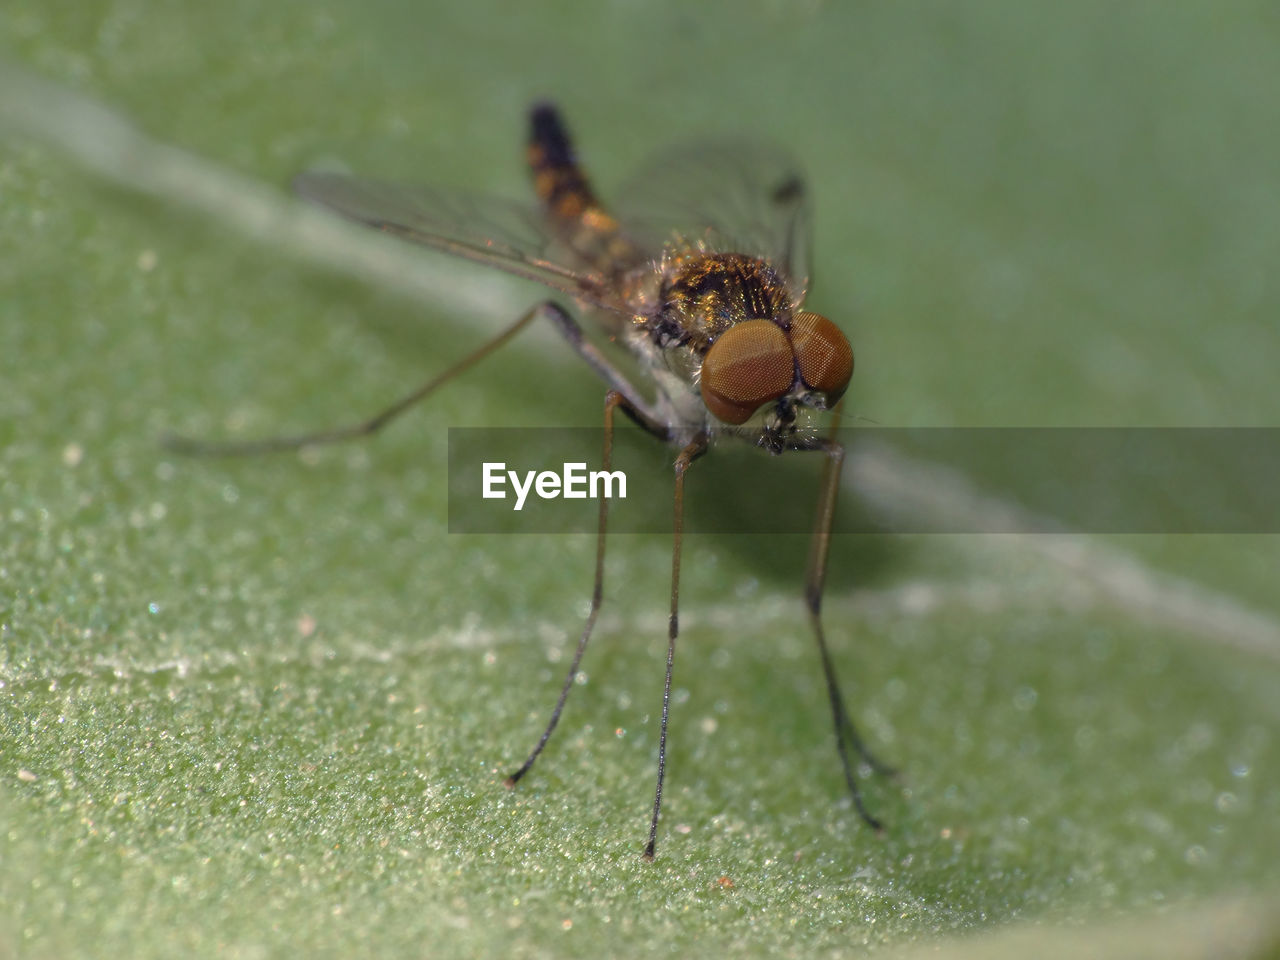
(729, 324)
(774, 369)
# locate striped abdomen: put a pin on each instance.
(568, 199)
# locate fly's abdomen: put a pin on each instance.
(568, 199)
(559, 181)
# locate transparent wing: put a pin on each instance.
(488, 230)
(740, 195)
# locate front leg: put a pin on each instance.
(815, 580)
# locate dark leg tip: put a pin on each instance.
(647, 856)
(872, 822)
(511, 781)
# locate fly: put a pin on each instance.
(701, 276)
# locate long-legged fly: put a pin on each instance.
(700, 273)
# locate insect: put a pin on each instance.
(701, 276)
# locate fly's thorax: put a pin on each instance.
(704, 294)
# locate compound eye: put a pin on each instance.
(750, 364)
(823, 355)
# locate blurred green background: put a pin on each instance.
(264, 707)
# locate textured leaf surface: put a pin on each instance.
(264, 707)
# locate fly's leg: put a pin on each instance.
(690, 453)
(815, 579)
(612, 401)
(565, 324)
(622, 395)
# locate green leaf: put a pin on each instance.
(265, 706)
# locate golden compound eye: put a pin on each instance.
(750, 364)
(823, 355)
